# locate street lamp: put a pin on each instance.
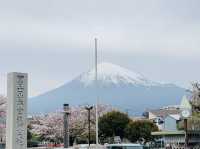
(186, 113)
(66, 112)
(89, 108)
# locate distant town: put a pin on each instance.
(171, 125)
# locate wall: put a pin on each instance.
(170, 124)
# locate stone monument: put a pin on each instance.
(16, 124)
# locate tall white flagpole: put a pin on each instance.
(96, 83)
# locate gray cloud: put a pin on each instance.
(53, 39)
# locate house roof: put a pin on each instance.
(165, 112)
(138, 118)
(175, 116)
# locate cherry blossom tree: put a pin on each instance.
(50, 126)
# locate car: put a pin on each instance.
(124, 146)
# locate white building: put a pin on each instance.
(158, 116)
(171, 122)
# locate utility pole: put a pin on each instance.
(66, 125)
(89, 108)
(186, 132)
(97, 100)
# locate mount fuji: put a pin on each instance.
(116, 86)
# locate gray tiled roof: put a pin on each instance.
(165, 112)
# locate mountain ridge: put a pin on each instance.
(117, 86)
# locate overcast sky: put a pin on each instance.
(53, 40)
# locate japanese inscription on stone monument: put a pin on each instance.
(16, 125)
(20, 115)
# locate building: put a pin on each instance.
(138, 118)
(171, 134)
(171, 122)
(158, 116)
(177, 139)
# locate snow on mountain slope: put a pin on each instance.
(117, 86)
(116, 75)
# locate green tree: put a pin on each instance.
(140, 131)
(113, 124)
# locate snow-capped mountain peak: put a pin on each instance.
(118, 87)
(109, 73)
